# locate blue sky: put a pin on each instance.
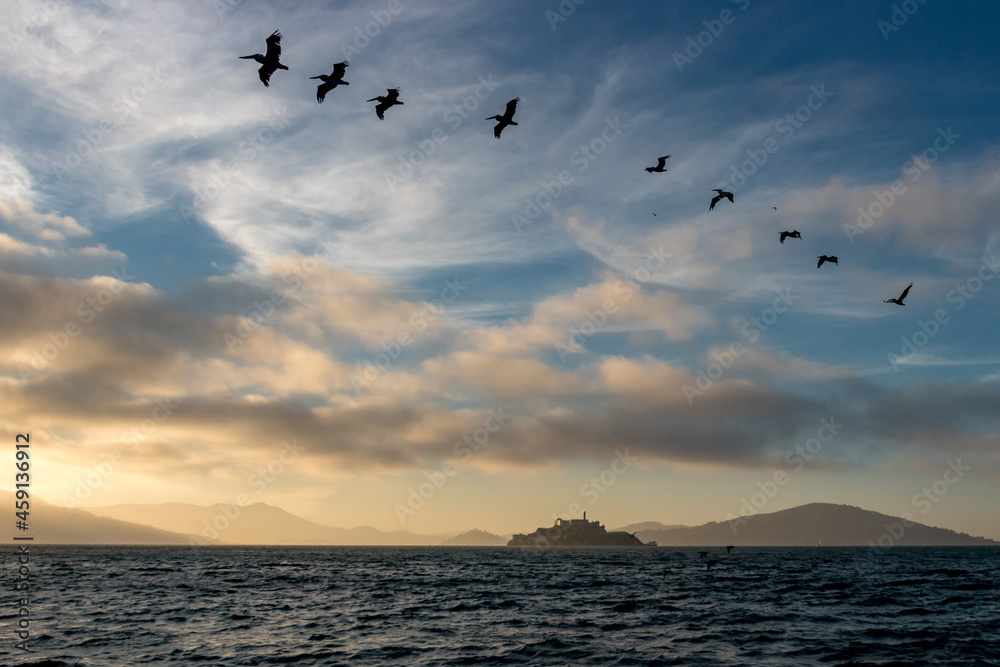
(274, 270)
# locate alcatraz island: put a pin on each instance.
(576, 533)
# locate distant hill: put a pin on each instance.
(475, 538)
(646, 526)
(51, 524)
(834, 525)
(258, 523)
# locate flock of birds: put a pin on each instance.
(794, 234)
(270, 62)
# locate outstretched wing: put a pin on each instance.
(660, 162)
(322, 90)
(715, 200)
(265, 73)
(820, 262)
(393, 94)
(905, 292)
(273, 47)
(729, 196)
(511, 107)
(340, 69)
(497, 129)
(784, 235)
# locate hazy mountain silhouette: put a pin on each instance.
(834, 525)
(646, 526)
(258, 523)
(52, 524)
(475, 538)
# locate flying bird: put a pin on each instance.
(386, 101)
(826, 258)
(506, 119)
(336, 78)
(269, 62)
(716, 198)
(729, 549)
(660, 161)
(899, 301)
(794, 234)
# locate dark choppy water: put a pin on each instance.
(496, 606)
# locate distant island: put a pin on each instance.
(576, 533)
(475, 538)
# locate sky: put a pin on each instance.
(218, 292)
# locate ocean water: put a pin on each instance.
(498, 606)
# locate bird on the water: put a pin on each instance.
(385, 101)
(899, 301)
(506, 119)
(660, 164)
(270, 61)
(331, 81)
(718, 197)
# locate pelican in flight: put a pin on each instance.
(506, 119)
(794, 234)
(660, 161)
(330, 82)
(729, 549)
(716, 198)
(386, 101)
(826, 258)
(269, 62)
(899, 301)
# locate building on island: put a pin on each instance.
(575, 533)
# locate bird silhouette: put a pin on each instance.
(660, 162)
(269, 62)
(386, 101)
(729, 549)
(899, 301)
(709, 563)
(826, 258)
(794, 234)
(716, 198)
(506, 119)
(336, 78)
